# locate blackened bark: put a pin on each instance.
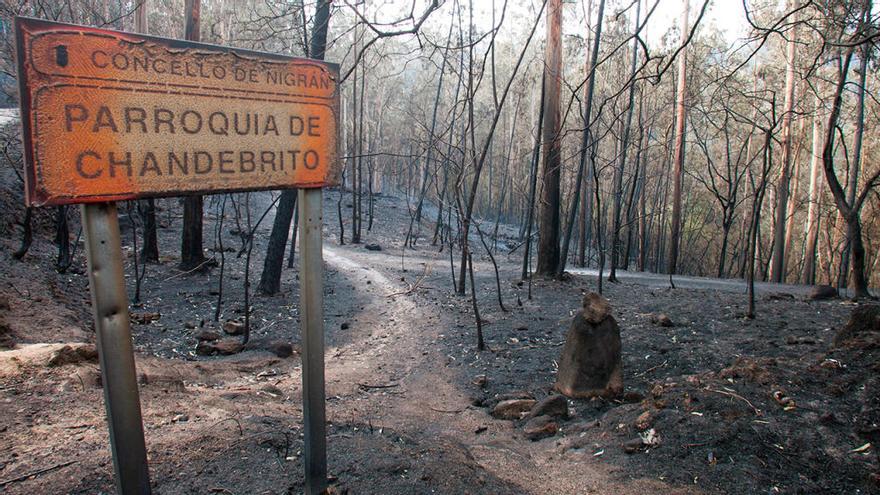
(191, 252)
(270, 279)
(27, 235)
(548, 234)
(62, 239)
(281, 226)
(533, 184)
(150, 249)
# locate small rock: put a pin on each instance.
(633, 397)
(540, 427)
(207, 336)
(779, 296)
(228, 347)
(480, 429)
(480, 381)
(657, 391)
(232, 327)
(643, 422)
(372, 247)
(273, 391)
(345, 326)
(281, 349)
(190, 325)
(512, 409)
(180, 418)
(223, 347)
(205, 348)
(77, 353)
(555, 406)
(662, 320)
(633, 446)
(144, 318)
(822, 293)
(516, 394)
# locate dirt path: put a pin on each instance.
(660, 281)
(386, 367)
(398, 377)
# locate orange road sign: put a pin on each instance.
(110, 116)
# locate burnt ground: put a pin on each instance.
(739, 406)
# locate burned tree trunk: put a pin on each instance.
(281, 225)
(586, 142)
(849, 211)
(62, 238)
(270, 278)
(548, 235)
(147, 207)
(27, 234)
(678, 161)
(853, 182)
(191, 251)
(621, 167)
(533, 182)
(780, 249)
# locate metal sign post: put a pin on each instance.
(110, 116)
(115, 352)
(311, 298)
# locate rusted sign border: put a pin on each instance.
(35, 197)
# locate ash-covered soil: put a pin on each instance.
(736, 406)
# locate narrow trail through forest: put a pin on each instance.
(397, 376)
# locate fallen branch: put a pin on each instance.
(366, 386)
(35, 473)
(237, 422)
(413, 287)
(198, 267)
(740, 397)
(652, 368)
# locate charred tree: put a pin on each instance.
(850, 211)
(270, 279)
(192, 254)
(780, 250)
(549, 217)
(62, 239)
(678, 160)
(533, 183)
(621, 167)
